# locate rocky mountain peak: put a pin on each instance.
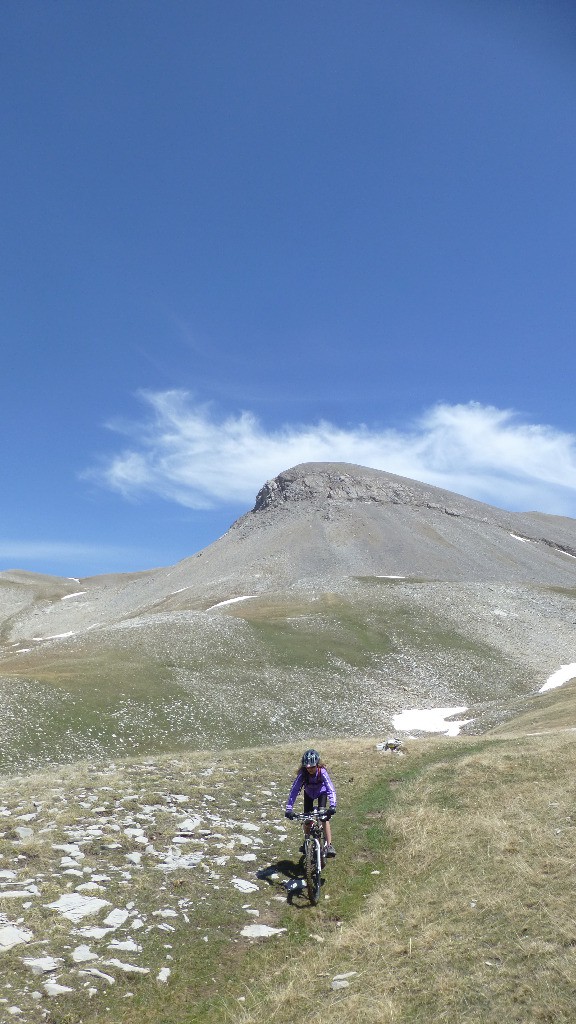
(322, 483)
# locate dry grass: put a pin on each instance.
(543, 713)
(474, 919)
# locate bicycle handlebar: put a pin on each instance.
(317, 814)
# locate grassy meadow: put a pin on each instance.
(190, 680)
(451, 898)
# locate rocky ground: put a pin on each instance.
(105, 877)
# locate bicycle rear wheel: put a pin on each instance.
(312, 860)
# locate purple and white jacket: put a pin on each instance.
(313, 785)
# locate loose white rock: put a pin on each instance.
(43, 964)
(74, 906)
(23, 832)
(15, 894)
(11, 936)
(243, 840)
(127, 968)
(175, 860)
(189, 824)
(93, 972)
(52, 988)
(243, 885)
(126, 946)
(82, 954)
(72, 849)
(260, 931)
(94, 933)
(116, 918)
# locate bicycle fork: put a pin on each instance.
(319, 854)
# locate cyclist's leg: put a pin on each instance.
(308, 805)
(326, 824)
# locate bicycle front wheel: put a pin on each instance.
(312, 860)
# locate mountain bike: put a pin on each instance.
(314, 850)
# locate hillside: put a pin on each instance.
(368, 591)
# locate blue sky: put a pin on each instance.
(239, 236)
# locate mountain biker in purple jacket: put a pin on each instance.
(313, 777)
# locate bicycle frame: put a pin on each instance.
(314, 852)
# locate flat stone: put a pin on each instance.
(52, 988)
(23, 832)
(82, 954)
(116, 918)
(74, 906)
(11, 936)
(127, 968)
(243, 885)
(43, 964)
(260, 931)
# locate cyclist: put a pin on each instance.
(312, 775)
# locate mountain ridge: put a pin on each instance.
(350, 482)
(333, 490)
(374, 592)
(407, 523)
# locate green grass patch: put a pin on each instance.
(236, 678)
(472, 917)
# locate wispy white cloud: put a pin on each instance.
(183, 452)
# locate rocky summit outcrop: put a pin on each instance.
(372, 592)
(334, 518)
(325, 486)
(322, 484)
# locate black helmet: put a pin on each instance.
(310, 758)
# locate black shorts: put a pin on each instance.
(309, 802)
